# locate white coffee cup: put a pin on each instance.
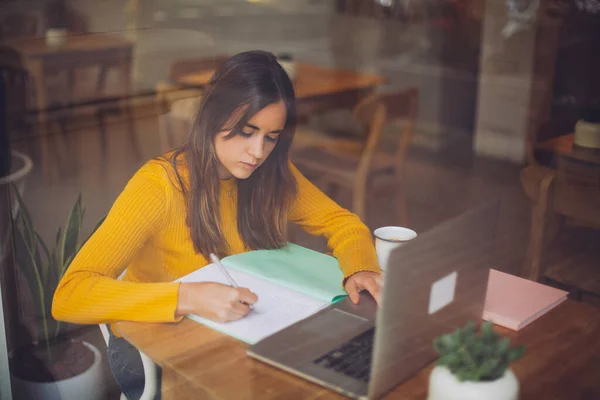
(387, 238)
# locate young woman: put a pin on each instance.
(229, 189)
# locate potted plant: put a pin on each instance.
(473, 366)
(48, 366)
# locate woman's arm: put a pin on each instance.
(89, 292)
(346, 235)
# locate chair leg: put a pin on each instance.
(358, 199)
(538, 227)
(151, 376)
(133, 139)
(401, 206)
(102, 131)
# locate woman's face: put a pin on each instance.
(243, 153)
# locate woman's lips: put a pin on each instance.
(248, 165)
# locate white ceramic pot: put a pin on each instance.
(443, 385)
(56, 37)
(89, 385)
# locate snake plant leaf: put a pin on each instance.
(44, 258)
(70, 235)
(58, 235)
(26, 263)
(25, 215)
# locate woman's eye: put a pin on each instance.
(245, 134)
(271, 139)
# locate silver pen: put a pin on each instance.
(219, 264)
(216, 260)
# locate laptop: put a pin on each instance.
(434, 284)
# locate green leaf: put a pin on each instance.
(68, 262)
(58, 235)
(502, 346)
(487, 329)
(450, 360)
(498, 370)
(487, 367)
(25, 216)
(469, 329)
(26, 262)
(515, 353)
(95, 229)
(70, 235)
(445, 343)
(47, 261)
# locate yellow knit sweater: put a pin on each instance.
(146, 233)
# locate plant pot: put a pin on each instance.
(89, 385)
(443, 385)
(21, 166)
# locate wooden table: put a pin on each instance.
(317, 88)
(562, 361)
(79, 51)
(563, 146)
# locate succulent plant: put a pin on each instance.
(476, 357)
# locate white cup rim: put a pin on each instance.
(409, 234)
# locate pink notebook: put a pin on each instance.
(515, 302)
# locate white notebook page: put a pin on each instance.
(277, 307)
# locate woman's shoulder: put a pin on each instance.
(168, 169)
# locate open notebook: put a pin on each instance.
(291, 284)
(515, 302)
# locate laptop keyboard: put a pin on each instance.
(352, 358)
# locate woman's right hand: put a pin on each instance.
(215, 301)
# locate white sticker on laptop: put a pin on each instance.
(442, 293)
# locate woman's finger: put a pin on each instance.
(373, 288)
(352, 291)
(240, 308)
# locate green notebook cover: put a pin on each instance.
(312, 273)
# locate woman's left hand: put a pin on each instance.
(363, 280)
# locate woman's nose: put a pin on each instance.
(256, 148)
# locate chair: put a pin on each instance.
(565, 192)
(19, 24)
(356, 163)
(175, 123)
(168, 92)
(150, 371)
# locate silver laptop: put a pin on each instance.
(434, 284)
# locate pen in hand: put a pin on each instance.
(219, 264)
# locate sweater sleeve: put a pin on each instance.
(348, 237)
(89, 291)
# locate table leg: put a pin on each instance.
(37, 73)
(126, 85)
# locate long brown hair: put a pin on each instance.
(239, 88)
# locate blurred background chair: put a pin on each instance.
(565, 223)
(368, 164)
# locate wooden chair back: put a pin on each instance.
(16, 85)
(187, 66)
(398, 107)
(576, 191)
(18, 24)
